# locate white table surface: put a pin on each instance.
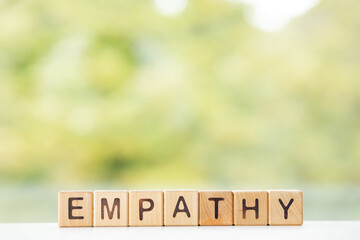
(310, 230)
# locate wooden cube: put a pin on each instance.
(181, 208)
(285, 207)
(250, 207)
(216, 208)
(146, 208)
(75, 209)
(111, 208)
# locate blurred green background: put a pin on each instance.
(120, 94)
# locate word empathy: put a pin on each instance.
(180, 208)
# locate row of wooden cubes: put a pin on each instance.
(179, 208)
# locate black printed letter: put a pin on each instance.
(245, 208)
(216, 202)
(104, 203)
(71, 208)
(185, 209)
(286, 208)
(142, 209)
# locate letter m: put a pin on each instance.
(116, 204)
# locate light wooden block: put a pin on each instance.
(75, 209)
(181, 208)
(216, 208)
(250, 207)
(146, 208)
(285, 207)
(111, 208)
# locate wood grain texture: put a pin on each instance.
(75, 209)
(216, 208)
(111, 208)
(280, 201)
(250, 208)
(146, 208)
(187, 201)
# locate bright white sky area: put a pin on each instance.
(170, 7)
(266, 15)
